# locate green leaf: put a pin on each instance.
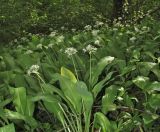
(68, 74)
(98, 87)
(108, 99)
(19, 99)
(52, 104)
(154, 101)
(141, 81)
(154, 86)
(21, 102)
(145, 67)
(86, 101)
(17, 116)
(97, 70)
(7, 128)
(148, 118)
(101, 122)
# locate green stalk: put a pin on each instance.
(68, 120)
(75, 67)
(90, 70)
(41, 80)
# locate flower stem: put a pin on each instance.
(90, 70)
(75, 67)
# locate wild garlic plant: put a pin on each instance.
(70, 52)
(34, 69)
(90, 49)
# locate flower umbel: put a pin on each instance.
(29, 52)
(90, 49)
(70, 51)
(33, 69)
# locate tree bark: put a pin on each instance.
(117, 8)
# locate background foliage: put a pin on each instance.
(80, 66)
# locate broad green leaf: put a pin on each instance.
(25, 61)
(71, 93)
(154, 101)
(108, 99)
(97, 70)
(6, 76)
(52, 104)
(101, 122)
(7, 128)
(156, 71)
(19, 99)
(5, 102)
(148, 118)
(20, 81)
(68, 74)
(154, 86)
(98, 87)
(141, 81)
(86, 101)
(48, 71)
(33, 84)
(145, 67)
(17, 116)
(22, 103)
(9, 61)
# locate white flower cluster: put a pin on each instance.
(60, 39)
(98, 23)
(88, 27)
(33, 69)
(70, 51)
(39, 46)
(73, 29)
(95, 32)
(132, 39)
(19, 47)
(52, 34)
(1, 57)
(50, 45)
(90, 49)
(97, 42)
(29, 52)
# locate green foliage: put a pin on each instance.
(102, 79)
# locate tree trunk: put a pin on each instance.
(117, 8)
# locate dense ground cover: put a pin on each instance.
(99, 79)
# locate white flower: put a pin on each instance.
(109, 58)
(95, 32)
(50, 29)
(62, 28)
(120, 34)
(52, 34)
(33, 69)
(73, 29)
(97, 42)
(39, 46)
(98, 23)
(70, 51)
(120, 98)
(50, 45)
(1, 57)
(90, 49)
(19, 47)
(15, 40)
(29, 52)
(136, 29)
(132, 39)
(88, 27)
(115, 29)
(23, 38)
(60, 39)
